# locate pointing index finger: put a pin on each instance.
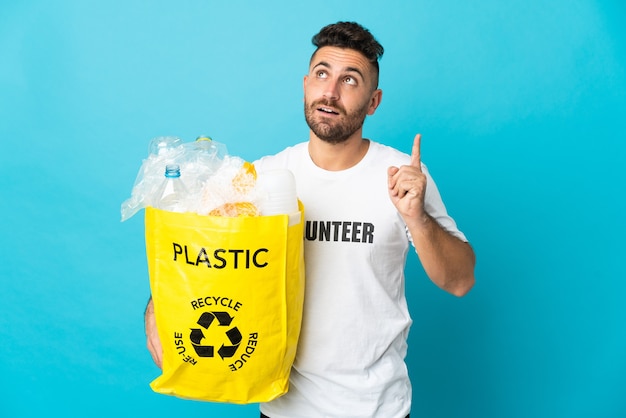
(416, 160)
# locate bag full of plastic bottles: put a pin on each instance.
(225, 259)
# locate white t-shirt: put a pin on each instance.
(350, 358)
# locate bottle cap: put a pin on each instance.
(172, 170)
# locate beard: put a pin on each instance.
(330, 130)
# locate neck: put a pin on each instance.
(337, 157)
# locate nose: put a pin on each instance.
(331, 92)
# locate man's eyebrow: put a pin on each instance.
(321, 64)
(347, 69)
(355, 70)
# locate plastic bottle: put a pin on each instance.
(207, 155)
(163, 145)
(279, 187)
(172, 193)
(206, 147)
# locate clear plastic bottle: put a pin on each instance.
(172, 193)
(279, 188)
(163, 145)
(204, 157)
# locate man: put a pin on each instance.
(364, 203)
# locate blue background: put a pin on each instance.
(521, 105)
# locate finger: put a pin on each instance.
(391, 172)
(159, 357)
(156, 351)
(416, 160)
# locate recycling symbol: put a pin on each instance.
(223, 320)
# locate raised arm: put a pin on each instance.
(448, 261)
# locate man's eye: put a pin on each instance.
(350, 80)
(322, 74)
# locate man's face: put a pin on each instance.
(339, 91)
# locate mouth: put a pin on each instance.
(327, 110)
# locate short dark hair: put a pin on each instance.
(350, 35)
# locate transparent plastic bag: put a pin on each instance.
(217, 184)
(198, 161)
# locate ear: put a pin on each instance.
(377, 97)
